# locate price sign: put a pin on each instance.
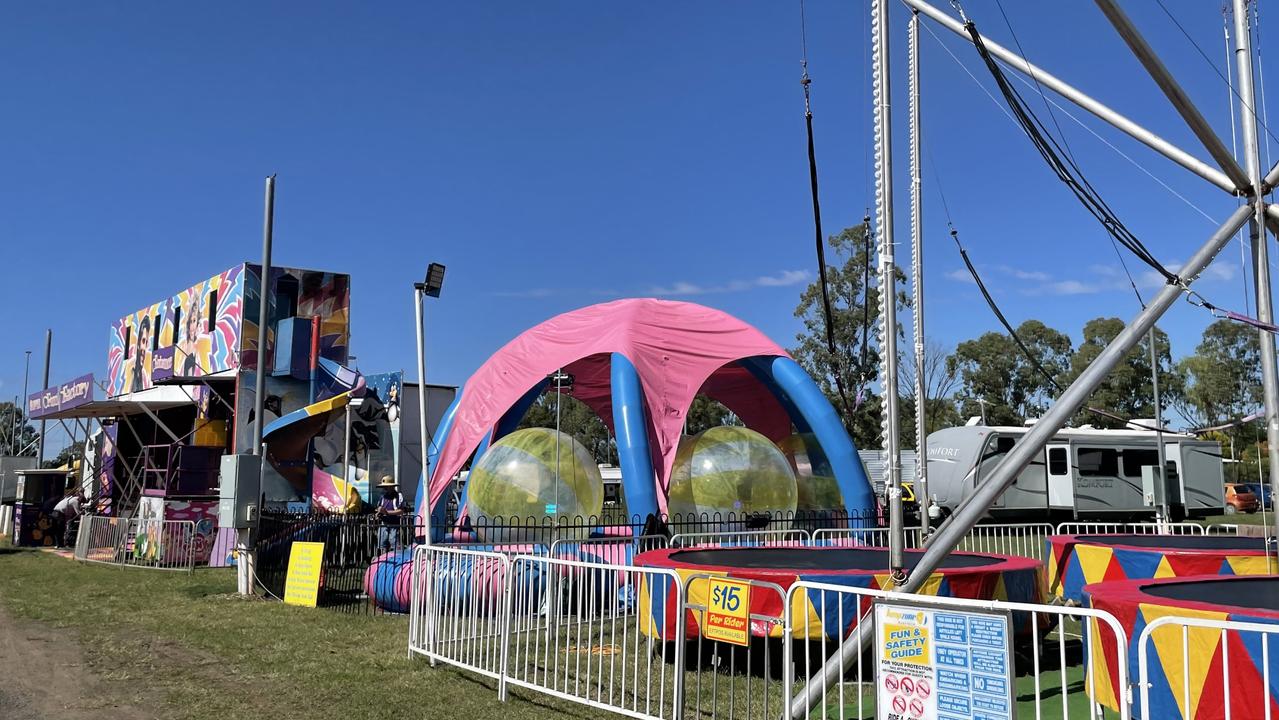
(728, 612)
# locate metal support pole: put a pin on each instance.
(22, 408)
(1137, 132)
(889, 425)
(346, 444)
(1030, 447)
(1165, 505)
(245, 556)
(1260, 248)
(1176, 95)
(48, 349)
(421, 415)
(264, 295)
(917, 279)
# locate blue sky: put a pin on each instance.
(553, 155)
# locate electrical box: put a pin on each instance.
(239, 489)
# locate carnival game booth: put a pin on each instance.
(1192, 671)
(1076, 561)
(823, 615)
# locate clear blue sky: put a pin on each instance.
(553, 155)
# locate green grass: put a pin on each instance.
(184, 646)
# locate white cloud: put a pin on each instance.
(962, 276)
(785, 278)
(1023, 274)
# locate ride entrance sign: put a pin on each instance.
(728, 612)
(937, 663)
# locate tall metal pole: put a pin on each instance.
(889, 426)
(246, 559)
(917, 280)
(421, 414)
(48, 348)
(1260, 249)
(22, 412)
(1164, 503)
(1030, 447)
(264, 295)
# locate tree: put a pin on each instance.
(66, 456)
(940, 380)
(705, 413)
(993, 370)
(854, 306)
(1223, 376)
(17, 437)
(577, 420)
(1127, 390)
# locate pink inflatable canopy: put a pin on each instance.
(678, 349)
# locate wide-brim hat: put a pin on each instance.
(388, 482)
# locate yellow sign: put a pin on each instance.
(728, 612)
(302, 584)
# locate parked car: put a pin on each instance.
(1238, 499)
(1262, 491)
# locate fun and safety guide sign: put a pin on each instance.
(942, 664)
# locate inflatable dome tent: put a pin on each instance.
(638, 364)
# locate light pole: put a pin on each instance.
(429, 287)
(20, 417)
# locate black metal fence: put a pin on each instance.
(364, 561)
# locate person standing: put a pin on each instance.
(390, 511)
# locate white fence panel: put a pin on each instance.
(1199, 667)
(457, 607)
(791, 537)
(1050, 661)
(606, 636)
(1026, 539)
(132, 542)
(862, 537)
(1131, 528)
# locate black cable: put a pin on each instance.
(827, 311)
(1065, 169)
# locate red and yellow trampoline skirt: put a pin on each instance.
(817, 614)
(1191, 672)
(1078, 560)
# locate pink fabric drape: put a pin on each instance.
(676, 347)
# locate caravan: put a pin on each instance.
(1081, 473)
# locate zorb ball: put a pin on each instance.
(817, 489)
(534, 476)
(727, 472)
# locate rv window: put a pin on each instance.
(1098, 462)
(1135, 459)
(1057, 464)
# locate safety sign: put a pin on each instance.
(935, 663)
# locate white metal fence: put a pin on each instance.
(790, 537)
(135, 542)
(457, 608)
(1130, 528)
(1205, 668)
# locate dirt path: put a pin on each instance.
(46, 677)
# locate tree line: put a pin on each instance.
(990, 376)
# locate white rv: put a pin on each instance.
(1081, 473)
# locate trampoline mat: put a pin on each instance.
(1178, 542)
(1261, 593)
(830, 560)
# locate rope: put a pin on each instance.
(819, 236)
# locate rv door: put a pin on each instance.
(1061, 481)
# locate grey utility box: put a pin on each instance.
(239, 488)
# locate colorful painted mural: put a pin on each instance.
(201, 323)
(302, 294)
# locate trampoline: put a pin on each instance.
(822, 614)
(1209, 662)
(1078, 560)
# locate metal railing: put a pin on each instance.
(617, 550)
(790, 537)
(136, 542)
(457, 608)
(863, 537)
(596, 634)
(1129, 528)
(1028, 539)
(1206, 668)
(735, 680)
(1054, 663)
